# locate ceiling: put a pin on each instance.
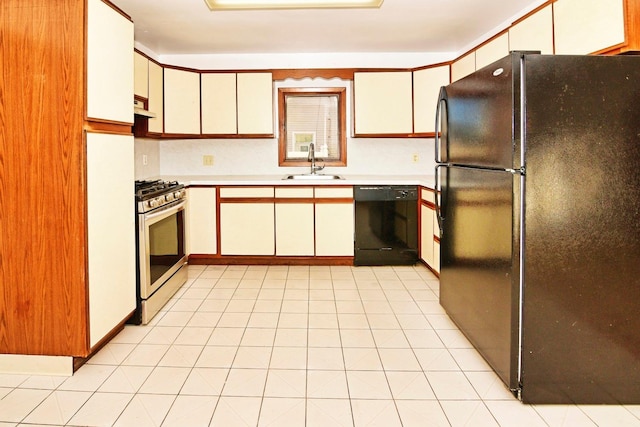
(174, 27)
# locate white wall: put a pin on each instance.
(146, 151)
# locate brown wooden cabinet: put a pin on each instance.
(44, 230)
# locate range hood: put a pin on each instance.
(139, 110)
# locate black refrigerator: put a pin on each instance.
(538, 172)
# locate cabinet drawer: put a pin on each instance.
(333, 192)
(427, 195)
(241, 192)
(294, 192)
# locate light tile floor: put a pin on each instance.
(291, 346)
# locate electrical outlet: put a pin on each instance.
(415, 158)
(207, 160)
(145, 160)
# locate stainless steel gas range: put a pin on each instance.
(161, 257)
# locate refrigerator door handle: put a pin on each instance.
(440, 216)
(442, 99)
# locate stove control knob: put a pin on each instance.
(169, 197)
(177, 195)
(152, 203)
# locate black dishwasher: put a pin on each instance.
(386, 225)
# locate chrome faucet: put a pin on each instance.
(312, 159)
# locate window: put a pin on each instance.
(312, 115)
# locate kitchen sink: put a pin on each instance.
(313, 176)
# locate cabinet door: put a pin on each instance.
(255, 103)
(219, 103)
(427, 215)
(463, 67)
(492, 51)
(294, 221)
(426, 87)
(247, 224)
(111, 232)
(156, 97)
(201, 221)
(533, 33)
(109, 64)
(294, 229)
(181, 101)
(247, 229)
(140, 75)
(334, 229)
(383, 103)
(587, 26)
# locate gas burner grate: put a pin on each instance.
(153, 188)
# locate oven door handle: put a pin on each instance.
(163, 211)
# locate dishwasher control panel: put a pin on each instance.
(385, 192)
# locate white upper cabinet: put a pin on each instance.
(156, 97)
(587, 26)
(463, 66)
(426, 87)
(255, 103)
(383, 102)
(492, 51)
(533, 33)
(237, 103)
(109, 64)
(219, 103)
(141, 75)
(181, 101)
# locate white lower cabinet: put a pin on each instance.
(201, 220)
(111, 232)
(294, 221)
(247, 227)
(427, 214)
(334, 229)
(294, 229)
(280, 221)
(334, 221)
(429, 230)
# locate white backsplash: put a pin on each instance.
(146, 151)
(365, 156)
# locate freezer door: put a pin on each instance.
(479, 276)
(482, 117)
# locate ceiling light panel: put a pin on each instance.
(291, 4)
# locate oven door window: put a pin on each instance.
(166, 245)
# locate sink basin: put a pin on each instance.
(313, 177)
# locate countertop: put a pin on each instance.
(217, 180)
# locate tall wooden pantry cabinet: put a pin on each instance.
(67, 225)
